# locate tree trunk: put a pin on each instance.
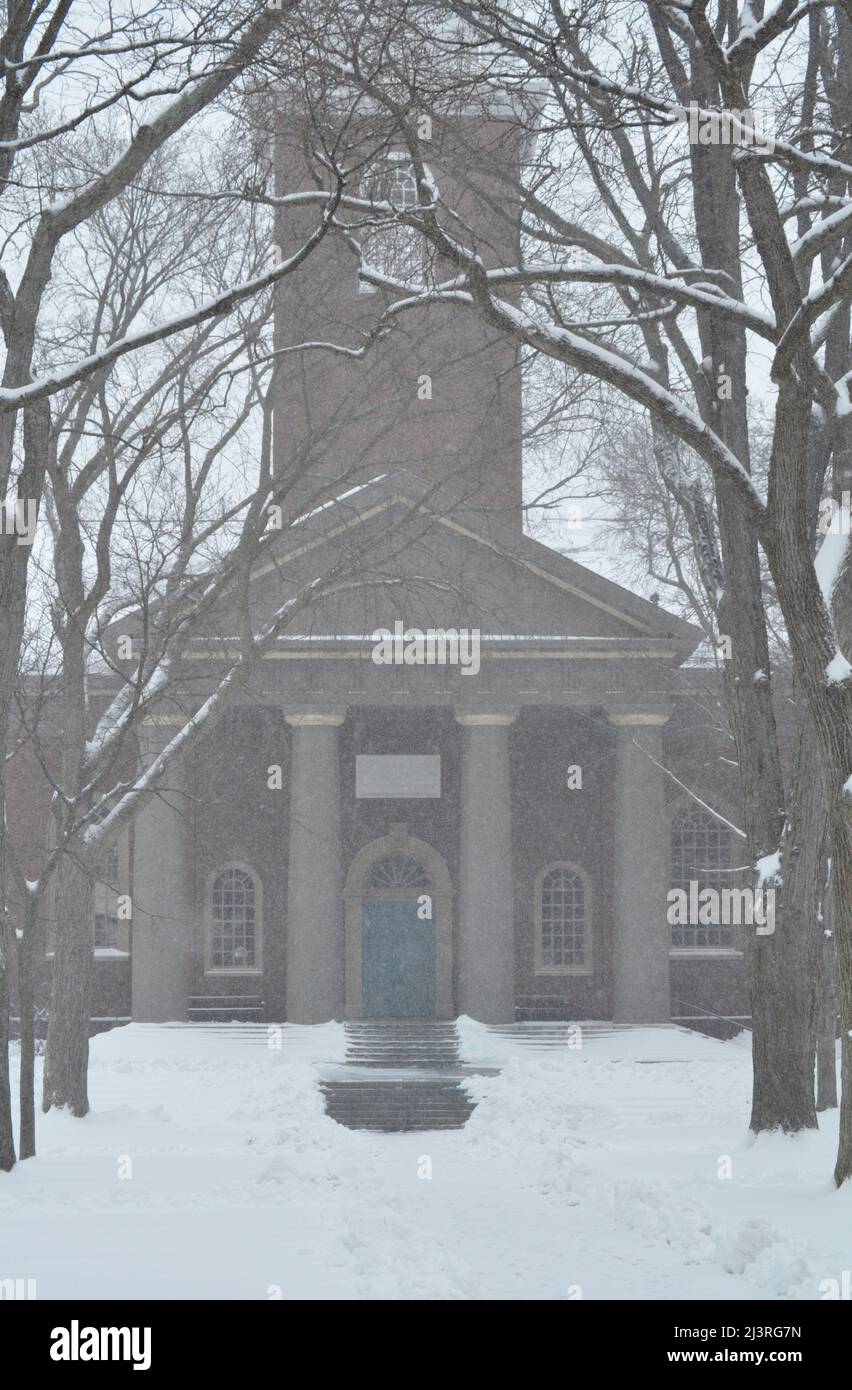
(827, 1013)
(841, 868)
(814, 646)
(26, 1009)
(11, 619)
(784, 964)
(67, 1052)
(7, 1138)
(783, 1038)
(14, 560)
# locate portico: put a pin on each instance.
(434, 845)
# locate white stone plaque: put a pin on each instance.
(397, 775)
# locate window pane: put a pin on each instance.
(233, 922)
(701, 854)
(105, 935)
(390, 248)
(562, 920)
(106, 870)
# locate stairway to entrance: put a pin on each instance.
(399, 1075)
(399, 1043)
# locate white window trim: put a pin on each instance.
(588, 913)
(253, 970)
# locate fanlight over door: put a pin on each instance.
(398, 873)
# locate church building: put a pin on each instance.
(467, 775)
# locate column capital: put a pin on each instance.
(472, 719)
(316, 719)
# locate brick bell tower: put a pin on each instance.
(440, 393)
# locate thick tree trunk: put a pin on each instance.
(784, 964)
(67, 1052)
(11, 609)
(14, 560)
(826, 1014)
(814, 647)
(26, 1008)
(7, 1139)
(841, 867)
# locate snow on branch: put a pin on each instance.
(13, 398)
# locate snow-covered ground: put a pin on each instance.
(208, 1169)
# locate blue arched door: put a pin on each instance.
(397, 940)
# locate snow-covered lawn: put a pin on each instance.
(208, 1169)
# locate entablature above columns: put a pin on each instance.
(521, 671)
(315, 719)
(485, 718)
(626, 714)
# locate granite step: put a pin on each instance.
(395, 1106)
(409, 1095)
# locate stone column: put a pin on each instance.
(315, 884)
(641, 936)
(486, 932)
(162, 914)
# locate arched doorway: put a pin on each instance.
(398, 932)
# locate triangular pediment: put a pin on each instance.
(393, 551)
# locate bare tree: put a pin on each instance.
(148, 75)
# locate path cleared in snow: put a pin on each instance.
(208, 1169)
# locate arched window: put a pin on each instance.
(234, 902)
(563, 921)
(389, 246)
(701, 855)
(397, 874)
